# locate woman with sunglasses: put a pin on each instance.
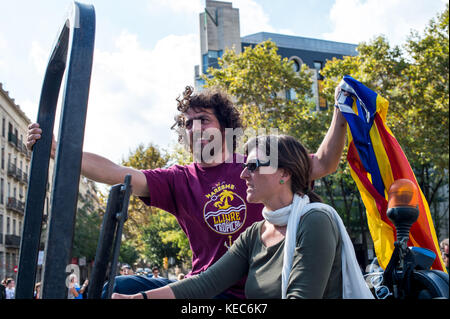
(300, 250)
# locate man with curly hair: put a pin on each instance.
(207, 197)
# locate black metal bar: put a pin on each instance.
(111, 231)
(105, 242)
(41, 155)
(69, 153)
(121, 217)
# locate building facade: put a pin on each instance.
(14, 170)
(15, 163)
(220, 30)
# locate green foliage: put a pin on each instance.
(87, 230)
(143, 157)
(259, 80)
(162, 237)
(128, 253)
(414, 79)
(151, 232)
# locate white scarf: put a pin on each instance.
(353, 283)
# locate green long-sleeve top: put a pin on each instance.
(316, 269)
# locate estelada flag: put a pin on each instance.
(376, 161)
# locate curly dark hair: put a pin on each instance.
(217, 100)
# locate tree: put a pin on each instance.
(87, 230)
(263, 85)
(414, 79)
(143, 157)
(150, 231)
(164, 238)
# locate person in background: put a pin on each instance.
(75, 291)
(10, 290)
(444, 251)
(2, 289)
(126, 270)
(180, 276)
(155, 272)
(37, 291)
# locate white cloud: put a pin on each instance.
(3, 45)
(3, 42)
(252, 16)
(133, 91)
(180, 6)
(254, 19)
(38, 56)
(357, 20)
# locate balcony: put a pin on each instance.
(12, 241)
(25, 178)
(12, 139)
(19, 174)
(25, 151)
(15, 172)
(15, 205)
(11, 170)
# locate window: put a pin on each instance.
(8, 225)
(210, 59)
(2, 190)
(296, 63)
(46, 205)
(291, 95)
(3, 158)
(317, 65)
(296, 66)
(3, 127)
(1, 224)
(8, 262)
(14, 227)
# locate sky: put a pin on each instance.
(146, 50)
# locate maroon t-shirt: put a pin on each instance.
(210, 206)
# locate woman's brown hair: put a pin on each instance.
(293, 157)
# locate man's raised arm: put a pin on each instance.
(98, 168)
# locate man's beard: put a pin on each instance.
(207, 147)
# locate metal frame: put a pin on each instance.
(74, 48)
(110, 239)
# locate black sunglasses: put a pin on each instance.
(254, 164)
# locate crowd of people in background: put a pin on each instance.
(8, 285)
(75, 291)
